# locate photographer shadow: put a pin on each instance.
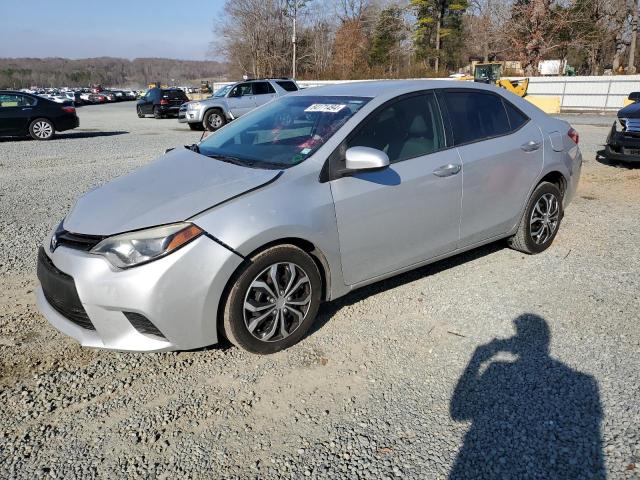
(532, 416)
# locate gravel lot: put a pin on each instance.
(401, 379)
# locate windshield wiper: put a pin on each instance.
(230, 159)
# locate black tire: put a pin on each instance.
(236, 329)
(214, 119)
(533, 235)
(157, 113)
(42, 129)
(139, 112)
(196, 126)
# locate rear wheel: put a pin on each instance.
(213, 120)
(41, 129)
(541, 220)
(273, 301)
(156, 112)
(139, 112)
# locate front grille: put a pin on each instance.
(143, 324)
(75, 240)
(631, 125)
(61, 293)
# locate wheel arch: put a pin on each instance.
(218, 107)
(307, 246)
(557, 178)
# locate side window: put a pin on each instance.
(288, 85)
(241, 90)
(262, 88)
(408, 128)
(476, 116)
(8, 100)
(516, 117)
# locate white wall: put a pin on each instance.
(603, 93)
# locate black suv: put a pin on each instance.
(161, 102)
(22, 114)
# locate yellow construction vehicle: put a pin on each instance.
(491, 73)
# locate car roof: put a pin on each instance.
(377, 88)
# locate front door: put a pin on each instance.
(408, 212)
(241, 100)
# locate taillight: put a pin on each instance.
(573, 135)
(69, 109)
(164, 101)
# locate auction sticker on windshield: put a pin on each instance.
(325, 107)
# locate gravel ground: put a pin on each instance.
(491, 364)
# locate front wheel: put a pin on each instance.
(273, 301)
(541, 220)
(213, 120)
(41, 129)
(139, 112)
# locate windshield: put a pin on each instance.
(221, 92)
(284, 132)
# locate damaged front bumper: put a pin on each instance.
(622, 146)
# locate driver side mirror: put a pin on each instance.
(634, 96)
(365, 158)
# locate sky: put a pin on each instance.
(116, 28)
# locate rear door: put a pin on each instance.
(241, 99)
(502, 155)
(263, 92)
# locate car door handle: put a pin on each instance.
(27, 108)
(530, 146)
(447, 170)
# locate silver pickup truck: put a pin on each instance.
(233, 101)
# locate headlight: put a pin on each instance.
(135, 248)
(193, 105)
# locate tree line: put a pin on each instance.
(350, 39)
(57, 72)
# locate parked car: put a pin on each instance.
(96, 98)
(624, 145)
(109, 96)
(233, 101)
(161, 102)
(247, 232)
(23, 114)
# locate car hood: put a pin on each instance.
(630, 111)
(171, 189)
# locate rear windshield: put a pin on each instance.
(288, 85)
(173, 94)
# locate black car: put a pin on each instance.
(161, 102)
(23, 114)
(624, 145)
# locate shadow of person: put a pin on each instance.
(532, 417)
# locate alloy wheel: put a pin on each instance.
(42, 129)
(544, 218)
(215, 120)
(277, 302)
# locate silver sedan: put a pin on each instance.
(302, 201)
